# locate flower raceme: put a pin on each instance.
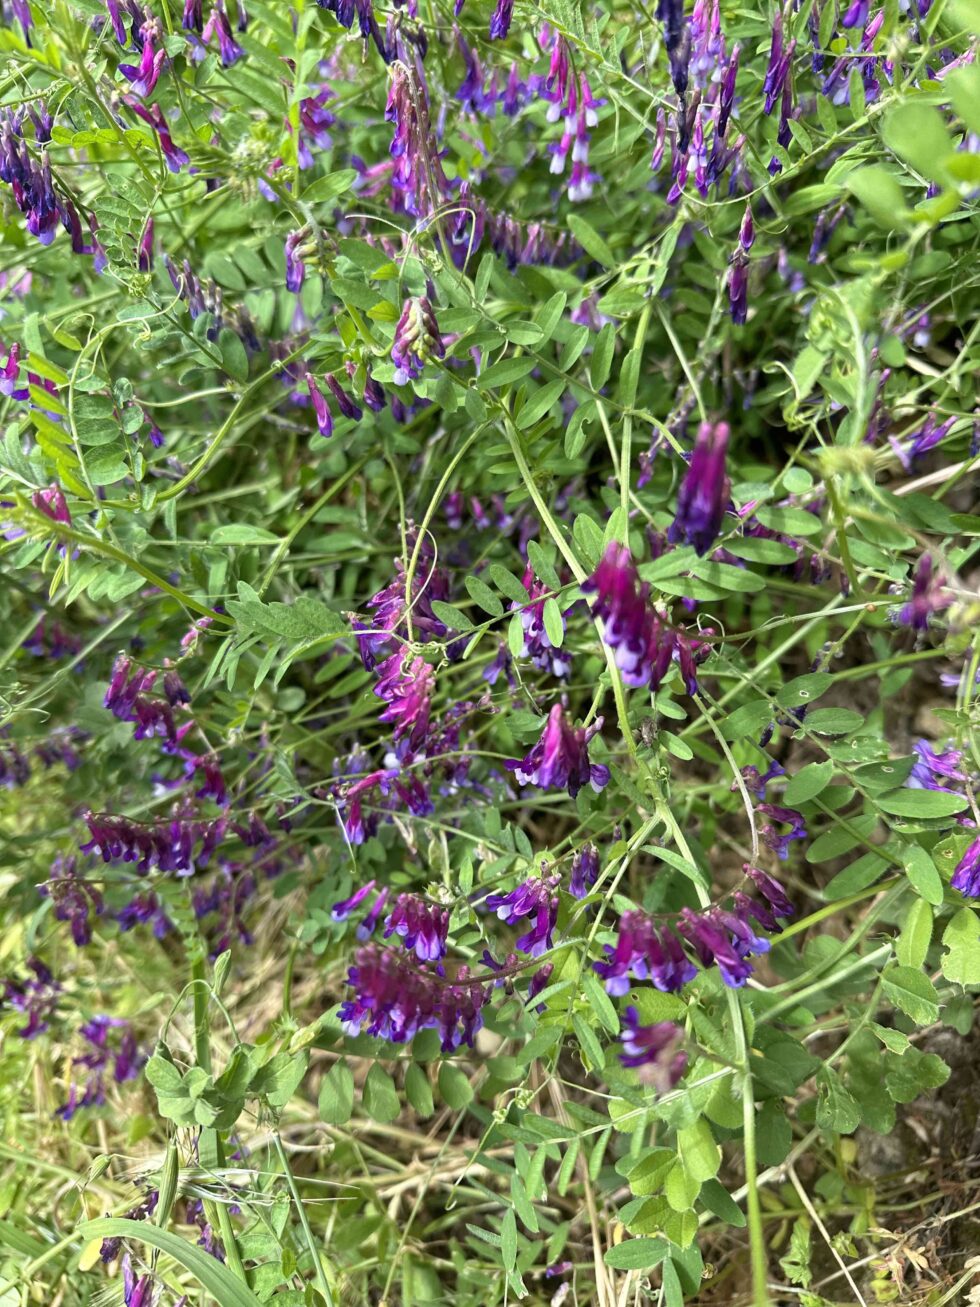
(644, 642)
(704, 493)
(560, 759)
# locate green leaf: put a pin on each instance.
(917, 134)
(336, 1103)
(454, 1086)
(554, 624)
(380, 1095)
(233, 533)
(481, 594)
(505, 372)
(508, 584)
(879, 192)
(591, 241)
(808, 782)
(915, 937)
(837, 1110)
(914, 1073)
(961, 939)
(508, 1239)
(698, 1150)
(539, 403)
(224, 1287)
(636, 1254)
(233, 355)
(833, 721)
(920, 804)
(720, 1202)
(913, 992)
(418, 1090)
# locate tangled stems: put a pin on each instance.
(663, 814)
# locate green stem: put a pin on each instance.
(321, 1275)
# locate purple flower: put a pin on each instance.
(144, 250)
(153, 114)
(35, 998)
(145, 76)
(51, 502)
(726, 98)
(392, 604)
(585, 869)
(405, 790)
(932, 433)
(416, 340)
(346, 405)
(738, 292)
(537, 642)
(74, 900)
(643, 642)
(712, 940)
(928, 596)
(193, 19)
(406, 684)
(704, 493)
(228, 47)
(645, 951)
(422, 925)
(654, 1050)
(417, 177)
(165, 845)
(771, 890)
(341, 910)
(393, 998)
(560, 759)
(966, 877)
(500, 20)
(532, 898)
(320, 406)
(295, 268)
(785, 816)
(136, 1292)
(930, 769)
(367, 927)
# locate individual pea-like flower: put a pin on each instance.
(966, 877)
(779, 843)
(654, 1051)
(715, 942)
(144, 76)
(416, 339)
(500, 19)
(704, 493)
(344, 401)
(932, 770)
(321, 408)
(738, 286)
(175, 157)
(342, 909)
(560, 759)
(536, 898)
(585, 869)
(422, 925)
(929, 596)
(295, 267)
(406, 684)
(644, 950)
(229, 49)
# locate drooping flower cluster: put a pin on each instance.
(417, 177)
(643, 641)
(704, 493)
(416, 340)
(560, 759)
(111, 1052)
(181, 844)
(569, 96)
(929, 596)
(74, 899)
(649, 950)
(423, 926)
(386, 790)
(538, 645)
(31, 182)
(34, 998)
(406, 685)
(394, 998)
(128, 699)
(536, 898)
(585, 870)
(394, 606)
(654, 1051)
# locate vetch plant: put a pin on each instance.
(488, 696)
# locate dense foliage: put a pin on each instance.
(488, 687)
